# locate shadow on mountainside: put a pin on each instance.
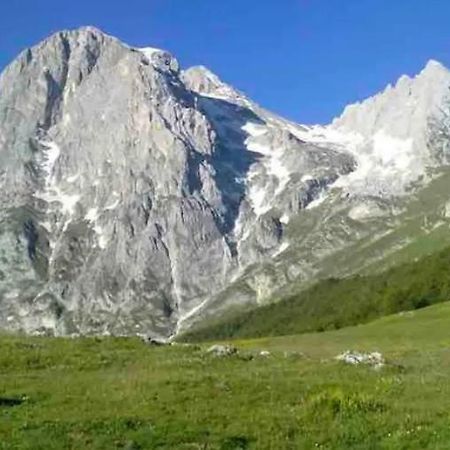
(231, 158)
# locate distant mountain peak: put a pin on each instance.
(433, 65)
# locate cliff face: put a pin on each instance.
(135, 196)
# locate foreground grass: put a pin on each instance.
(118, 393)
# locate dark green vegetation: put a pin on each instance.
(121, 394)
(336, 303)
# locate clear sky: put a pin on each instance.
(305, 59)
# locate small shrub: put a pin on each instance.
(235, 443)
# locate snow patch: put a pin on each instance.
(101, 237)
(283, 247)
(384, 163)
(447, 210)
(257, 147)
(277, 169)
(51, 153)
(46, 225)
(255, 130)
(257, 198)
(148, 52)
(112, 206)
(51, 192)
(365, 211)
(159, 58)
(67, 202)
(260, 198)
(318, 201)
(11, 295)
(393, 154)
(73, 178)
(385, 166)
(92, 215)
(321, 136)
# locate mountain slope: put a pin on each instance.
(139, 198)
(391, 209)
(337, 303)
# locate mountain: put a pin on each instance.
(140, 198)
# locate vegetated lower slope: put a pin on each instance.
(336, 303)
(402, 333)
(115, 393)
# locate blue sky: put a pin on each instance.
(304, 59)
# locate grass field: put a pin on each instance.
(119, 393)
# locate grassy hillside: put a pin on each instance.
(120, 394)
(336, 303)
(410, 332)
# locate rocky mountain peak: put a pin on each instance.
(201, 80)
(392, 131)
(410, 100)
(434, 66)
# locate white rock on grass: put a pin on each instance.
(222, 350)
(374, 359)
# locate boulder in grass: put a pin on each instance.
(374, 359)
(222, 350)
(155, 341)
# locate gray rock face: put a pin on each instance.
(106, 169)
(121, 189)
(135, 196)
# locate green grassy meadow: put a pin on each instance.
(112, 393)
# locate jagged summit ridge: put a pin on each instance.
(390, 132)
